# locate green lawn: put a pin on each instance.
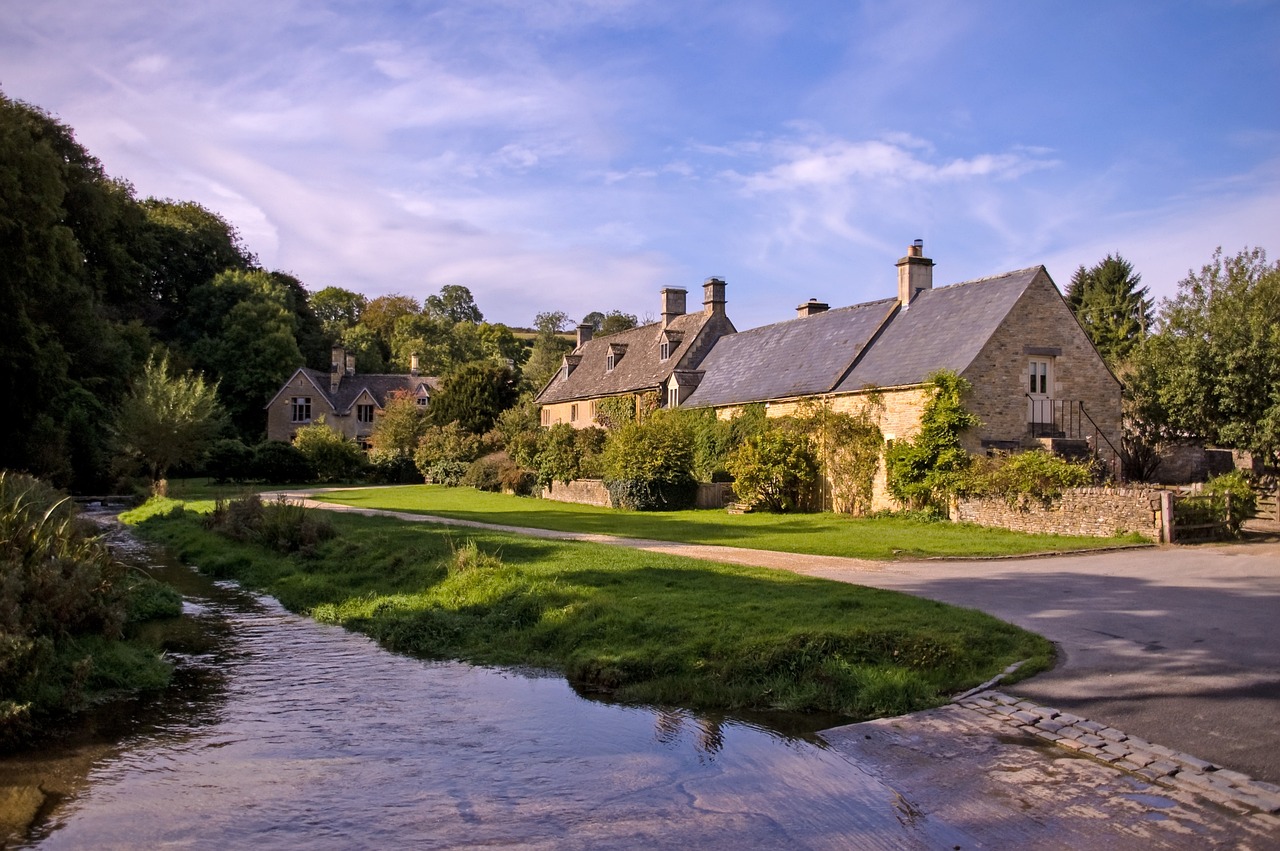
(881, 538)
(635, 625)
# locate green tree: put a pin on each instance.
(649, 465)
(380, 315)
(925, 471)
(473, 396)
(168, 418)
(1111, 306)
(776, 469)
(362, 342)
(333, 457)
(1212, 370)
(549, 349)
(454, 304)
(400, 426)
(337, 309)
(615, 321)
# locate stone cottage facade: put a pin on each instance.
(637, 362)
(349, 402)
(1037, 379)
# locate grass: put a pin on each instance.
(637, 626)
(880, 538)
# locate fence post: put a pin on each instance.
(1166, 516)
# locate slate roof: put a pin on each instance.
(379, 385)
(639, 367)
(945, 328)
(852, 348)
(799, 357)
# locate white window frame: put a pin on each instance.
(300, 405)
(364, 412)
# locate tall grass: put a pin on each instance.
(630, 624)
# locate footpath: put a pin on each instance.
(1165, 645)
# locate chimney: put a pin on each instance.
(713, 296)
(414, 364)
(811, 308)
(586, 329)
(351, 364)
(672, 304)
(915, 273)
(336, 361)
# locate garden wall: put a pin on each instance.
(1099, 512)
(593, 492)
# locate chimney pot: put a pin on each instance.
(414, 364)
(811, 308)
(336, 363)
(351, 364)
(585, 332)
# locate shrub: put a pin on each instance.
(447, 473)
(775, 469)
(565, 453)
(277, 462)
(445, 448)
(332, 456)
(280, 525)
(391, 468)
(229, 460)
(483, 474)
(1037, 474)
(649, 465)
(924, 472)
(1232, 498)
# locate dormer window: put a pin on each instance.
(670, 342)
(616, 351)
(665, 349)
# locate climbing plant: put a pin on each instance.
(848, 446)
(924, 471)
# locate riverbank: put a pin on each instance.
(639, 626)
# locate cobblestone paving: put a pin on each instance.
(1172, 769)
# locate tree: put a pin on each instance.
(337, 309)
(400, 426)
(776, 469)
(1212, 370)
(380, 315)
(455, 304)
(649, 465)
(615, 321)
(1111, 306)
(595, 319)
(333, 457)
(549, 349)
(167, 418)
(473, 397)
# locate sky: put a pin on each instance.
(580, 155)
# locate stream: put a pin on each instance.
(281, 732)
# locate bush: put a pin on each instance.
(445, 448)
(332, 456)
(923, 473)
(1037, 474)
(649, 465)
(391, 468)
(565, 453)
(447, 473)
(1232, 498)
(775, 469)
(280, 525)
(229, 460)
(483, 474)
(276, 462)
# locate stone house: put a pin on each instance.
(349, 402)
(1037, 378)
(638, 362)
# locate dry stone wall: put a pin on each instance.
(1098, 512)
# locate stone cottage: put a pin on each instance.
(349, 402)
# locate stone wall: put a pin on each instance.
(1099, 512)
(583, 491)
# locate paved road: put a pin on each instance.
(1177, 645)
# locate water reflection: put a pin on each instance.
(289, 733)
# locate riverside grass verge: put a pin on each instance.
(638, 626)
(880, 537)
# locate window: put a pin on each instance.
(673, 396)
(364, 413)
(301, 409)
(546, 416)
(610, 362)
(364, 443)
(573, 413)
(1038, 375)
(422, 401)
(665, 350)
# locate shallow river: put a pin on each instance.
(282, 732)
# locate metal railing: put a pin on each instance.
(1067, 418)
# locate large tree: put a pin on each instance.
(1212, 370)
(454, 303)
(549, 348)
(1111, 305)
(474, 396)
(337, 309)
(168, 418)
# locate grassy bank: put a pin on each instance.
(812, 534)
(640, 626)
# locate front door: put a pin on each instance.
(1040, 413)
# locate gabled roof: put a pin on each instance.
(377, 385)
(873, 344)
(638, 366)
(944, 328)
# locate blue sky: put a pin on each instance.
(579, 155)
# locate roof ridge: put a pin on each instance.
(1008, 274)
